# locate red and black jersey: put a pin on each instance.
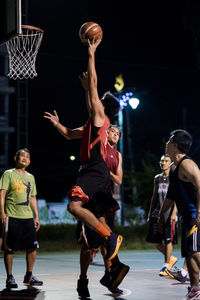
(94, 175)
(94, 140)
(112, 161)
(112, 158)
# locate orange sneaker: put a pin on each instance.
(172, 262)
(163, 272)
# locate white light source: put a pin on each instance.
(134, 102)
(72, 157)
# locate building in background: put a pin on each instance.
(6, 130)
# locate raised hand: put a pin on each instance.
(52, 117)
(92, 45)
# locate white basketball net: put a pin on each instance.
(23, 51)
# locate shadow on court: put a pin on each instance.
(27, 293)
(60, 272)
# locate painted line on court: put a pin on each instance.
(128, 292)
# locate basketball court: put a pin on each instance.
(60, 271)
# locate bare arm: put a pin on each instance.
(174, 214)
(84, 83)
(2, 206)
(117, 178)
(33, 204)
(166, 205)
(66, 132)
(153, 199)
(98, 115)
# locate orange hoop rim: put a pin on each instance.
(33, 28)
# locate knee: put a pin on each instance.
(72, 207)
(8, 252)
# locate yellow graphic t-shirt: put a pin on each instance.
(19, 189)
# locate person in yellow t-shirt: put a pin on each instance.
(19, 216)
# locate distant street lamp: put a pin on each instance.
(124, 143)
(126, 98)
(72, 157)
(134, 102)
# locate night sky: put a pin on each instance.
(154, 44)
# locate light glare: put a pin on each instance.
(72, 157)
(134, 102)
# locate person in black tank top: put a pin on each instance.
(163, 242)
(184, 189)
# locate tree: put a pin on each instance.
(138, 185)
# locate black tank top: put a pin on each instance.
(183, 193)
(162, 187)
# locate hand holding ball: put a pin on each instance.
(90, 31)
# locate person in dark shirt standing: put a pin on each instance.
(169, 235)
(184, 189)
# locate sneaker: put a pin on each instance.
(118, 271)
(106, 280)
(10, 283)
(112, 279)
(113, 242)
(32, 280)
(116, 291)
(163, 272)
(176, 274)
(192, 294)
(82, 288)
(172, 262)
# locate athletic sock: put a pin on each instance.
(9, 276)
(184, 272)
(101, 230)
(166, 265)
(28, 273)
(196, 288)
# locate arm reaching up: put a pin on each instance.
(98, 114)
(66, 132)
(84, 83)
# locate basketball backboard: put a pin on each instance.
(10, 19)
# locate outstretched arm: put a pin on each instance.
(98, 115)
(84, 83)
(66, 132)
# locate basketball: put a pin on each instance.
(91, 31)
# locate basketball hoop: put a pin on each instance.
(22, 51)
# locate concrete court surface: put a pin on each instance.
(60, 272)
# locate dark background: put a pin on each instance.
(155, 45)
